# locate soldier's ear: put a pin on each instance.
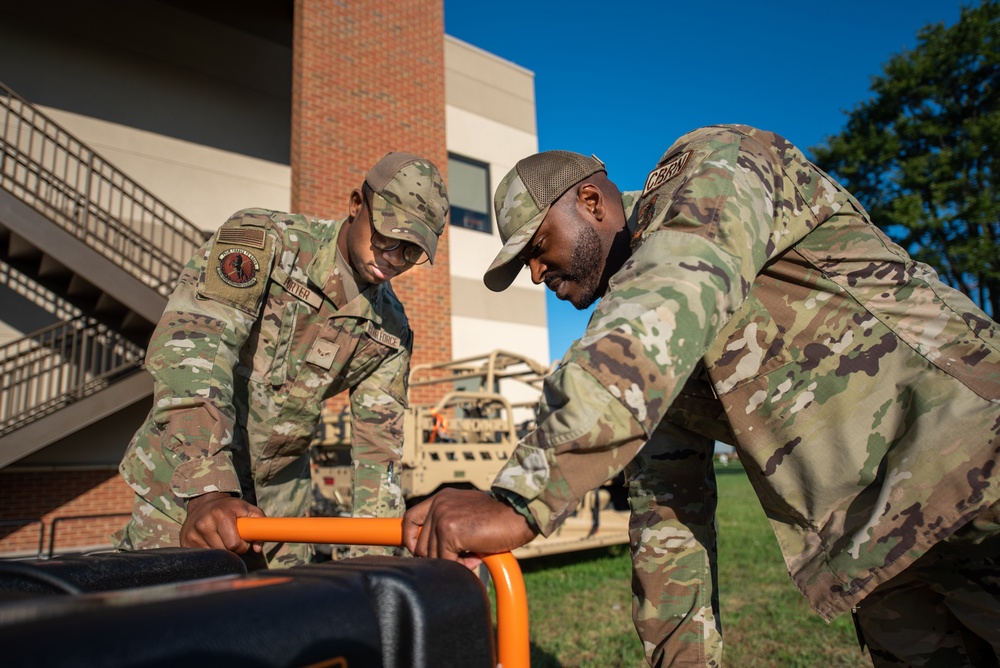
(354, 203)
(591, 197)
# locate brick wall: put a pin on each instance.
(72, 498)
(368, 78)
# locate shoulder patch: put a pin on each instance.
(237, 267)
(664, 173)
(234, 275)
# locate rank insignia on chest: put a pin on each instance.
(237, 267)
(323, 353)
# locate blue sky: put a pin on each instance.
(623, 79)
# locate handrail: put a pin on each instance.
(513, 641)
(26, 522)
(55, 173)
(58, 365)
(69, 518)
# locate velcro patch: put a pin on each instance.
(242, 236)
(385, 338)
(233, 275)
(662, 174)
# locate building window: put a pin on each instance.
(469, 193)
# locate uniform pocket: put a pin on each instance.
(358, 353)
(282, 344)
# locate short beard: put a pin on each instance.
(587, 266)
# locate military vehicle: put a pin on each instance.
(462, 440)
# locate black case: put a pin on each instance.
(182, 607)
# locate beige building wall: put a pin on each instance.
(203, 184)
(491, 118)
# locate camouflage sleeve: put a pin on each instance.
(377, 407)
(192, 354)
(704, 234)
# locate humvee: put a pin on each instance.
(462, 440)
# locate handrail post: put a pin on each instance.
(52, 537)
(27, 522)
(513, 640)
(83, 221)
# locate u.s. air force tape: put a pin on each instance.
(385, 338)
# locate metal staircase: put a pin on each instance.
(76, 227)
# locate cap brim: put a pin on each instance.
(506, 266)
(393, 222)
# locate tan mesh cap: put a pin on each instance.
(523, 199)
(409, 200)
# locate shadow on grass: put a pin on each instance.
(536, 564)
(543, 659)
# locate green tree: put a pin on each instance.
(922, 153)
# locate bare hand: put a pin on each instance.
(456, 524)
(211, 522)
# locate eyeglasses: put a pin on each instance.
(411, 252)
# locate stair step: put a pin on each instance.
(22, 250)
(108, 305)
(49, 267)
(80, 287)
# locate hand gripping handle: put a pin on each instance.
(513, 645)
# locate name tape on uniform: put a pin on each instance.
(297, 289)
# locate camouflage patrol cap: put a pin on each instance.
(409, 200)
(523, 199)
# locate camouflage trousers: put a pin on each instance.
(376, 493)
(944, 610)
(157, 522)
(672, 494)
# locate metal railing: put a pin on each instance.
(76, 518)
(56, 174)
(58, 365)
(20, 523)
(47, 553)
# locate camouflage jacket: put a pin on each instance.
(862, 394)
(265, 323)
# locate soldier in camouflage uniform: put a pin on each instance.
(274, 315)
(747, 297)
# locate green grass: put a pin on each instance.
(580, 604)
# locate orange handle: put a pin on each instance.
(338, 530)
(513, 643)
